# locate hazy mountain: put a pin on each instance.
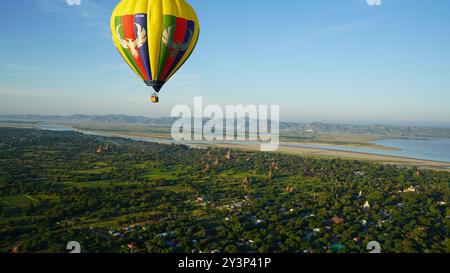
(89, 118)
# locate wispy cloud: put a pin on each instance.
(338, 28)
(73, 2)
(93, 14)
(84, 7)
(21, 67)
(185, 79)
(345, 27)
(117, 67)
(374, 2)
(51, 5)
(27, 92)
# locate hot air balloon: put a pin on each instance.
(155, 37)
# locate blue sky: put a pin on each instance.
(322, 60)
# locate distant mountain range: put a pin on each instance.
(316, 127)
(89, 118)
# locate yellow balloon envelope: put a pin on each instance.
(155, 37)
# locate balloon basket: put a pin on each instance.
(154, 99)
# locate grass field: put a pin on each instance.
(100, 170)
(22, 201)
(175, 189)
(116, 221)
(99, 184)
(155, 173)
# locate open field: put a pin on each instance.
(24, 200)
